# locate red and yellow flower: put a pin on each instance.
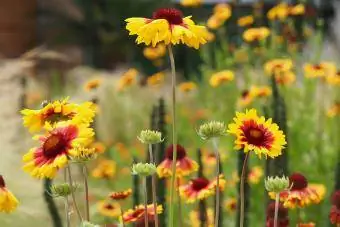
(255, 175)
(222, 12)
(245, 99)
(191, 3)
(55, 146)
(184, 165)
(277, 66)
(200, 188)
(254, 133)
(137, 214)
(127, 79)
(319, 70)
(109, 208)
(310, 224)
(285, 78)
(120, 195)
(187, 86)
(221, 77)
(59, 110)
(230, 205)
(169, 27)
(256, 34)
(297, 10)
(263, 91)
(245, 21)
(8, 202)
(155, 79)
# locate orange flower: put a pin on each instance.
(155, 79)
(105, 169)
(261, 92)
(285, 78)
(127, 79)
(277, 66)
(278, 12)
(319, 70)
(138, 213)
(221, 77)
(109, 208)
(310, 224)
(296, 10)
(120, 195)
(92, 84)
(245, 99)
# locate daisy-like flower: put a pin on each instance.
(245, 99)
(221, 13)
(120, 195)
(310, 224)
(334, 110)
(127, 79)
(277, 66)
(191, 3)
(254, 133)
(283, 219)
(334, 79)
(230, 205)
(301, 193)
(255, 175)
(59, 110)
(137, 214)
(200, 188)
(319, 70)
(105, 169)
(55, 147)
(92, 84)
(109, 208)
(245, 21)
(256, 34)
(297, 10)
(334, 214)
(155, 79)
(8, 202)
(263, 91)
(278, 12)
(221, 77)
(184, 165)
(285, 78)
(194, 217)
(169, 27)
(187, 86)
(153, 53)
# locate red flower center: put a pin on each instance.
(199, 183)
(245, 94)
(2, 182)
(172, 15)
(138, 212)
(336, 199)
(298, 181)
(256, 134)
(181, 153)
(317, 67)
(54, 145)
(109, 207)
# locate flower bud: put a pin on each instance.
(276, 184)
(212, 129)
(150, 137)
(62, 190)
(143, 169)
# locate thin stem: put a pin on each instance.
(86, 186)
(72, 193)
(153, 187)
(146, 218)
(174, 135)
(217, 203)
(180, 219)
(67, 207)
(277, 202)
(122, 213)
(242, 189)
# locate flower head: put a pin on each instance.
(310, 224)
(187, 86)
(256, 34)
(55, 148)
(254, 133)
(278, 12)
(153, 53)
(230, 205)
(263, 91)
(319, 70)
(334, 79)
(150, 137)
(127, 79)
(283, 219)
(221, 77)
(155, 79)
(276, 184)
(109, 208)
(191, 3)
(255, 175)
(92, 84)
(105, 169)
(137, 214)
(143, 169)
(222, 12)
(297, 10)
(212, 129)
(334, 110)
(184, 165)
(120, 195)
(277, 66)
(285, 78)
(245, 21)
(169, 27)
(59, 110)
(200, 188)
(246, 98)
(8, 202)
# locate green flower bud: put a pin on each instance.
(62, 190)
(276, 184)
(143, 169)
(150, 137)
(88, 224)
(212, 129)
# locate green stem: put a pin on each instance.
(242, 189)
(86, 186)
(73, 195)
(153, 187)
(217, 203)
(67, 207)
(277, 202)
(122, 213)
(146, 218)
(174, 135)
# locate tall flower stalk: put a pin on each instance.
(70, 181)
(242, 181)
(153, 187)
(86, 187)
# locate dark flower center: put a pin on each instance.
(138, 212)
(282, 214)
(53, 117)
(245, 94)
(2, 182)
(181, 153)
(335, 199)
(199, 183)
(298, 181)
(109, 207)
(256, 134)
(53, 146)
(172, 15)
(317, 67)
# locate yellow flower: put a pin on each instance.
(278, 12)
(279, 65)
(60, 110)
(92, 84)
(254, 133)
(153, 53)
(319, 70)
(8, 202)
(222, 11)
(214, 22)
(191, 3)
(168, 26)
(245, 21)
(263, 91)
(104, 169)
(127, 79)
(109, 208)
(334, 110)
(246, 98)
(256, 34)
(187, 86)
(221, 77)
(285, 78)
(255, 175)
(155, 79)
(334, 79)
(230, 205)
(296, 10)
(195, 218)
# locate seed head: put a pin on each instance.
(143, 169)
(150, 137)
(276, 184)
(211, 130)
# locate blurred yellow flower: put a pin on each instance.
(195, 218)
(221, 13)
(99, 147)
(105, 169)
(256, 34)
(214, 22)
(191, 3)
(263, 91)
(109, 208)
(296, 10)
(285, 78)
(334, 79)
(319, 70)
(153, 53)
(245, 21)
(221, 77)
(127, 79)
(334, 110)
(230, 205)
(187, 86)
(279, 65)
(8, 202)
(255, 175)
(245, 99)
(155, 79)
(278, 12)
(92, 84)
